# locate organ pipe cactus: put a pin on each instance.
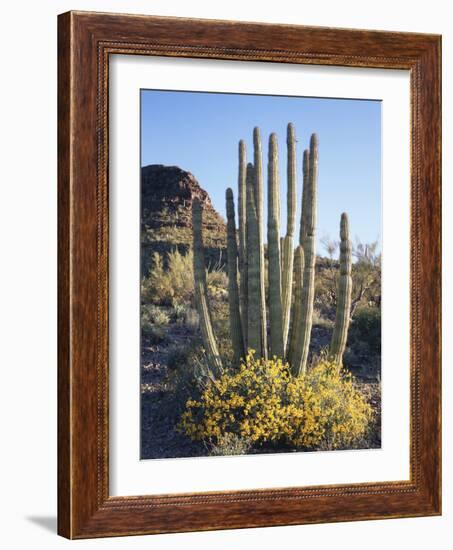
(287, 244)
(307, 241)
(201, 291)
(273, 251)
(258, 188)
(305, 190)
(290, 303)
(254, 317)
(340, 333)
(233, 290)
(295, 348)
(242, 200)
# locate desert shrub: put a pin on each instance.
(188, 375)
(320, 321)
(230, 444)
(180, 271)
(366, 277)
(326, 286)
(221, 325)
(154, 286)
(330, 411)
(243, 403)
(154, 334)
(178, 355)
(172, 283)
(192, 319)
(365, 330)
(218, 278)
(217, 283)
(153, 321)
(151, 314)
(183, 314)
(262, 402)
(178, 313)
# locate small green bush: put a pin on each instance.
(192, 319)
(217, 283)
(154, 315)
(230, 444)
(365, 331)
(153, 322)
(178, 313)
(178, 356)
(154, 334)
(320, 321)
(188, 375)
(184, 314)
(169, 284)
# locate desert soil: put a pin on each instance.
(159, 437)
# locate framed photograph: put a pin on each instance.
(249, 275)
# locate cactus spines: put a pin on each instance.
(295, 347)
(308, 232)
(273, 250)
(242, 200)
(258, 188)
(233, 290)
(254, 339)
(288, 241)
(340, 333)
(201, 293)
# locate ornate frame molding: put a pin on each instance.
(86, 40)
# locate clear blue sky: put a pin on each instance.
(199, 132)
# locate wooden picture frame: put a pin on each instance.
(85, 42)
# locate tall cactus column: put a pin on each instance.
(233, 290)
(201, 292)
(340, 333)
(242, 209)
(288, 241)
(299, 355)
(254, 315)
(305, 191)
(296, 335)
(258, 188)
(273, 250)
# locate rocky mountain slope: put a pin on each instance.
(167, 193)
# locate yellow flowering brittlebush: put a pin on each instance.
(326, 409)
(263, 403)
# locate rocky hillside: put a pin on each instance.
(167, 194)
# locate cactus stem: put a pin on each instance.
(340, 333)
(287, 246)
(308, 242)
(273, 248)
(242, 200)
(295, 349)
(201, 293)
(233, 290)
(254, 340)
(258, 187)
